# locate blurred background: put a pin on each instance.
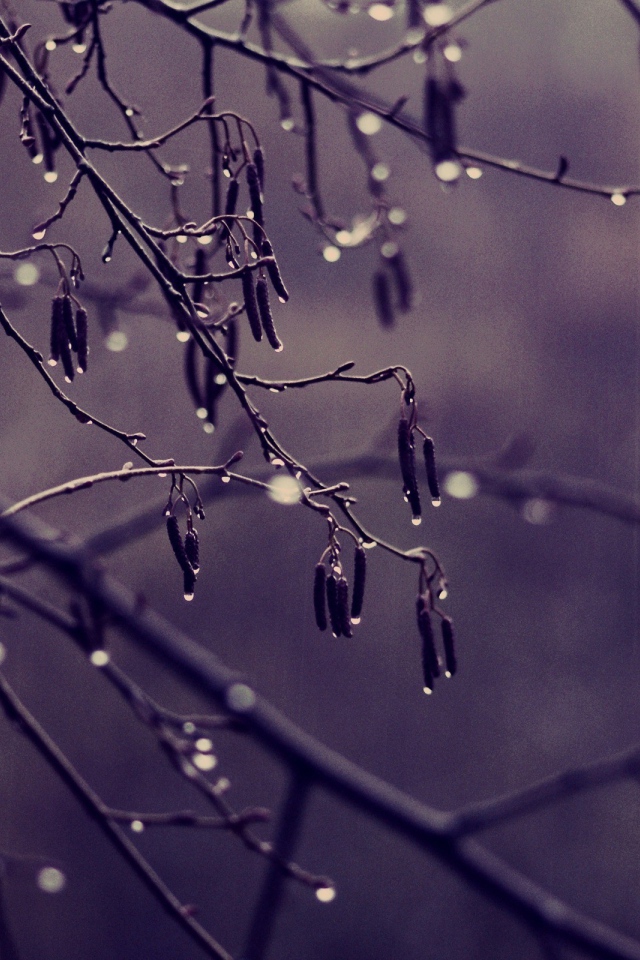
(525, 322)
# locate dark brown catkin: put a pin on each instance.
(57, 330)
(274, 273)
(359, 578)
(408, 467)
(402, 280)
(200, 267)
(258, 159)
(432, 472)
(65, 355)
(69, 325)
(189, 580)
(251, 305)
(425, 627)
(439, 120)
(82, 333)
(231, 341)
(334, 608)
(232, 197)
(264, 307)
(191, 373)
(342, 588)
(177, 545)
(448, 642)
(192, 549)
(320, 595)
(255, 199)
(382, 299)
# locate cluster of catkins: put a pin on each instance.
(256, 292)
(431, 662)
(68, 335)
(331, 593)
(187, 550)
(407, 426)
(392, 287)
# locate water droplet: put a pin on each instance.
(220, 379)
(50, 45)
(288, 123)
(285, 489)
(448, 171)
(204, 745)
(536, 510)
(369, 123)
(52, 362)
(128, 112)
(277, 462)
(443, 594)
(437, 14)
(279, 349)
(474, 172)
(447, 674)
(116, 341)
(201, 413)
(419, 56)
(67, 379)
(208, 427)
(416, 521)
(381, 12)
(355, 620)
(380, 172)
(240, 697)
(427, 690)
(188, 597)
(389, 250)
(106, 258)
(226, 479)
(189, 727)
(181, 238)
(162, 475)
(437, 502)
(343, 237)
(331, 254)
(183, 336)
(39, 234)
(51, 880)
(134, 442)
(204, 761)
(79, 47)
(26, 274)
(618, 199)
(137, 826)
(327, 894)
(452, 52)
(461, 485)
(39, 157)
(99, 658)
(397, 216)
(50, 176)
(369, 544)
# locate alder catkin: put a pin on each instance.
(177, 545)
(359, 578)
(69, 325)
(232, 197)
(408, 467)
(425, 627)
(432, 472)
(342, 588)
(192, 549)
(448, 642)
(57, 330)
(251, 305)
(402, 280)
(258, 159)
(274, 273)
(382, 299)
(319, 596)
(255, 199)
(82, 333)
(264, 307)
(334, 607)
